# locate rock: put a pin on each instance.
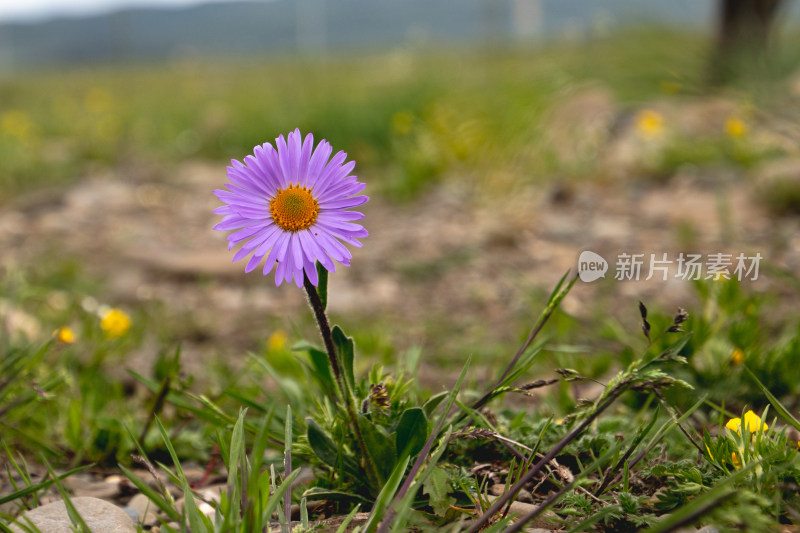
(132, 513)
(205, 498)
(104, 489)
(547, 520)
(524, 496)
(330, 524)
(101, 517)
(144, 510)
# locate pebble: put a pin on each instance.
(142, 510)
(101, 517)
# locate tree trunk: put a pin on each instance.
(743, 32)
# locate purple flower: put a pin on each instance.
(290, 207)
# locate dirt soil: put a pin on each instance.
(457, 259)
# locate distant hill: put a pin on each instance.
(258, 27)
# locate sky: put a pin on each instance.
(34, 10)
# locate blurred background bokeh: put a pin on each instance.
(498, 138)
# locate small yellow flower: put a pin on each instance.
(737, 357)
(735, 460)
(752, 422)
(115, 323)
(64, 335)
(559, 421)
(16, 123)
(277, 341)
(649, 123)
(735, 127)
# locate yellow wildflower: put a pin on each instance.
(115, 323)
(735, 127)
(16, 123)
(649, 123)
(752, 422)
(737, 357)
(277, 341)
(735, 460)
(64, 335)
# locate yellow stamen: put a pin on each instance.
(294, 208)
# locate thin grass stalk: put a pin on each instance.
(551, 308)
(423, 454)
(500, 502)
(674, 414)
(287, 468)
(698, 513)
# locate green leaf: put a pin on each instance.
(321, 370)
(386, 495)
(380, 447)
(189, 505)
(412, 431)
(345, 349)
(319, 493)
(785, 414)
(237, 454)
(437, 487)
(326, 450)
(349, 518)
(77, 520)
(39, 486)
(277, 497)
(152, 495)
(403, 506)
(322, 287)
(433, 402)
(321, 443)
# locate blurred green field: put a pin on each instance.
(411, 114)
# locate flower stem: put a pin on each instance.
(344, 389)
(324, 326)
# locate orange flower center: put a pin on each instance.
(294, 208)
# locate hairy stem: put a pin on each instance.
(324, 326)
(344, 390)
